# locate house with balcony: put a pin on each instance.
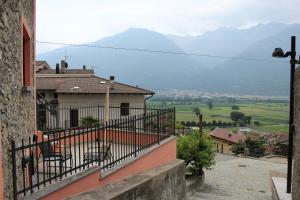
(66, 96)
(65, 162)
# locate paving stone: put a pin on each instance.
(228, 180)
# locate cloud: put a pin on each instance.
(77, 21)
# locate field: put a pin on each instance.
(273, 117)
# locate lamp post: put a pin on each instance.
(106, 107)
(279, 53)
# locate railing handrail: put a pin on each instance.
(130, 135)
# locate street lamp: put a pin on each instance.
(106, 109)
(106, 105)
(279, 53)
(109, 84)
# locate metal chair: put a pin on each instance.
(94, 155)
(49, 155)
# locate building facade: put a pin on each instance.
(17, 96)
(224, 139)
(74, 94)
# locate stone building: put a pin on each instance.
(296, 169)
(17, 96)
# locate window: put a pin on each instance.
(27, 80)
(124, 109)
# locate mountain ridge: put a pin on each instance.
(162, 71)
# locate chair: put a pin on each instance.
(49, 155)
(94, 155)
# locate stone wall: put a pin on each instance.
(166, 182)
(296, 169)
(17, 108)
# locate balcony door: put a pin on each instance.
(74, 118)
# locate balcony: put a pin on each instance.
(58, 153)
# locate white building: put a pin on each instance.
(65, 96)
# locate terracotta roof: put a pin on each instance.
(67, 71)
(84, 85)
(226, 135)
(41, 65)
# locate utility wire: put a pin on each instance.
(159, 51)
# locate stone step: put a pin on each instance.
(209, 196)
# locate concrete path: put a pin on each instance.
(238, 178)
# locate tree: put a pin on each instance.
(235, 107)
(198, 153)
(236, 116)
(241, 122)
(248, 119)
(193, 123)
(256, 123)
(210, 105)
(188, 123)
(197, 111)
(214, 123)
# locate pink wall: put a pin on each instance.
(162, 155)
(114, 136)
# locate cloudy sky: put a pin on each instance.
(78, 21)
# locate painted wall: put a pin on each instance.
(166, 182)
(87, 106)
(162, 155)
(226, 145)
(17, 108)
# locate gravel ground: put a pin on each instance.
(237, 178)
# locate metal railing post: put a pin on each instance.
(14, 169)
(135, 135)
(174, 121)
(158, 126)
(98, 143)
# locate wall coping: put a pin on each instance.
(127, 162)
(103, 174)
(279, 189)
(113, 190)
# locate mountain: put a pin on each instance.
(226, 41)
(150, 70)
(163, 71)
(251, 77)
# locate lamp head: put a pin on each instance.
(278, 53)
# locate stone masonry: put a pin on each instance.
(17, 108)
(296, 169)
(166, 182)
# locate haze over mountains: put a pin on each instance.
(161, 71)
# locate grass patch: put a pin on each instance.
(272, 116)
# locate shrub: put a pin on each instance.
(198, 153)
(235, 107)
(178, 125)
(89, 121)
(256, 123)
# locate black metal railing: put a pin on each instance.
(70, 116)
(49, 157)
